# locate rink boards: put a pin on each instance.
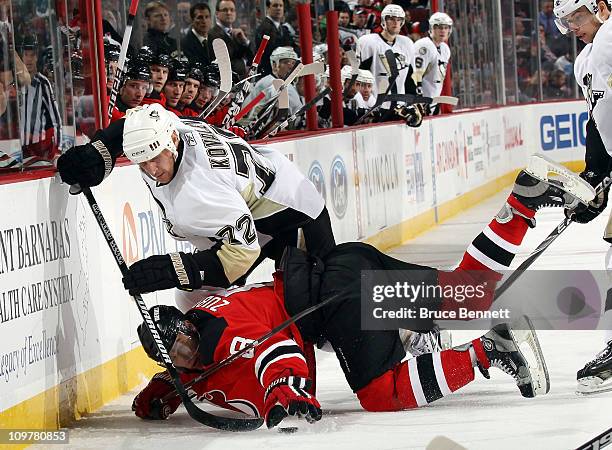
(68, 327)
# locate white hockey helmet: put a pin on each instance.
(440, 18)
(282, 53)
(346, 73)
(365, 76)
(148, 131)
(563, 8)
(391, 11)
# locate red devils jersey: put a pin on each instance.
(227, 323)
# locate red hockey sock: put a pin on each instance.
(418, 381)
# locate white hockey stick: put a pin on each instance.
(225, 70)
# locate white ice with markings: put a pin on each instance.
(485, 414)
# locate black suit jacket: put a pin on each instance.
(238, 51)
(278, 38)
(196, 52)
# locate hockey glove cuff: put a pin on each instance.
(586, 213)
(288, 396)
(412, 114)
(158, 272)
(148, 404)
(86, 165)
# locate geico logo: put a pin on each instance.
(563, 130)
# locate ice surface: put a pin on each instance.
(487, 414)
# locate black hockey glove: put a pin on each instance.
(86, 165)
(158, 272)
(586, 213)
(412, 114)
(288, 396)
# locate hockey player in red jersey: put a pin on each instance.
(271, 381)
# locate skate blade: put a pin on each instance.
(523, 333)
(540, 166)
(586, 386)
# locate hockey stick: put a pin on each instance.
(259, 120)
(598, 442)
(125, 43)
(605, 184)
(299, 112)
(234, 108)
(354, 73)
(225, 70)
(247, 109)
(283, 109)
(205, 418)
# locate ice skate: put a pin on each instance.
(535, 189)
(596, 376)
(515, 350)
(417, 344)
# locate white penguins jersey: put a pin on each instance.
(222, 187)
(373, 47)
(593, 71)
(430, 64)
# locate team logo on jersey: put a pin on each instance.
(315, 174)
(339, 187)
(592, 96)
(219, 398)
(191, 141)
(423, 50)
(154, 115)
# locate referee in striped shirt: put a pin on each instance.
(39, 119)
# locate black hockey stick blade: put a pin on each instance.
(283, 108)
(203, 417)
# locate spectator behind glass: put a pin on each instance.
(272, 26)
(557, 85)
(183, 17)
(195, 44)
(157, 38)
(234, 36)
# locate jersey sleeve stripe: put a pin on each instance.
(276, 352)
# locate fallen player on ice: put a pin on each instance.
(273, 381)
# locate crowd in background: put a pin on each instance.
(46, 98)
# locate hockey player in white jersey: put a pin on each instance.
(365, 98)
(371, 50)
(432, 55)
(588, 20)
(282, 60)
(235, 203)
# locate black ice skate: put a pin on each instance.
(596, 375)
(534, 189)
(515, 350)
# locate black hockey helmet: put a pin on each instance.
(138, 69)
(195, 72)
(161, 59)
(111, 49)
(177, 71)
(145, 54)
(211, 76)
(169, 322)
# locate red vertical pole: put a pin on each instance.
(100, 62)
(333, 57)
(90, 57)
(434, 6)
(305, 27)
